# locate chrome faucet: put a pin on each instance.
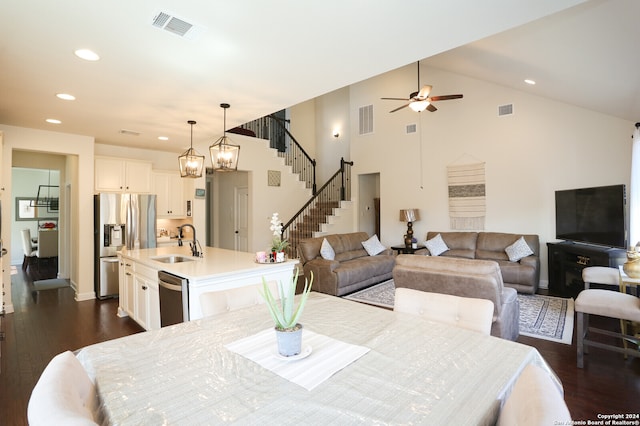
(194, 244)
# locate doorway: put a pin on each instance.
(369, 203)
(227, 210)
(38, 187)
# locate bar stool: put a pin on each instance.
(610, 304)
(605, 276)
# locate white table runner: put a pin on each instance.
(327, 357)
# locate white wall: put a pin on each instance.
(544, 146)
(257, 158)
(79, 174)
(332, 114)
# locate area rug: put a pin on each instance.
(50, 284)
(382, 294)
(546, 317)
(541, 317)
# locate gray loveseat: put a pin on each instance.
(351, 270)
(480, 279)
(523, 275)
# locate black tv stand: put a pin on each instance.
(567, 259)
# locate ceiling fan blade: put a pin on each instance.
(424, 92)
(395, 99)
(431, 108)
(399, 108)
(444, 97)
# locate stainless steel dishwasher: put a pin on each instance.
(174, 298)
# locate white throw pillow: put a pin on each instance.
(373, 246)
(436, 245)
(326, 251)
(518, 250)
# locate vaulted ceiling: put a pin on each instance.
(263, 56)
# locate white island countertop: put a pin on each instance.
(216, 263)
(217, 270)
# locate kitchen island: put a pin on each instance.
(218, 269)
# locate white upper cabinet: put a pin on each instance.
(122, 175)
(172, 191)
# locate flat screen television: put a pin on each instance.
(592, 215)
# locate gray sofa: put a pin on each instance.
(351, 270)
(480, 279)
(523, 275)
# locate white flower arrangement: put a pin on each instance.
(277, 244)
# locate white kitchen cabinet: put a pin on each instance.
(171, 190)
(127, 288)
(122, 175)
(173, 193)
(139, 294)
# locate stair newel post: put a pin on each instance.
(313, 185)
(342, 192)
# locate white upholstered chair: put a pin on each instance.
(47, 244)
(535, 400)
(64, 394)
(29, 248)
(218, 302)
(606, 303)
(465, 312)
(610, 278)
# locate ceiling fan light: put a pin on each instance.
(419, 106)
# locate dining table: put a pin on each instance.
(360, 364)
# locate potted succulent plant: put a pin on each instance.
(285, 317)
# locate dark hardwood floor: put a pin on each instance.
(46, 323)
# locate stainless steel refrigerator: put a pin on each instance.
(120, 220)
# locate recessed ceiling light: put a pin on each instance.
(163, 138)
(66, 96)
(53, 121)
(87, 55)
(529, 81)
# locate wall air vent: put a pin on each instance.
(505, 110)
(175, 25)
(129, 132)
(365, 120)
(411, 128)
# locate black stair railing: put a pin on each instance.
(313, 214)
(274, 128)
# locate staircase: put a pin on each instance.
(309, 220)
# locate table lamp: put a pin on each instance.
(409, 216)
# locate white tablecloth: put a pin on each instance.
(416, 371)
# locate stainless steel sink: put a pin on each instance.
(173, 258)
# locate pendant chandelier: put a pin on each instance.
(191, 163)
(224, 156)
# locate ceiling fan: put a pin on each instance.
(420, 100)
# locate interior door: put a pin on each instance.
(242, 219)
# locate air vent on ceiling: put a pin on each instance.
(178, 26)
(129, 132)
(505, 110)
(365, 120)
(411, 128)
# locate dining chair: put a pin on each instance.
(218, 302)
(63, 395)
(29, 249)
(605, 303)
(609, 278)
(465, 312)
(535, 400)
(47, 244)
